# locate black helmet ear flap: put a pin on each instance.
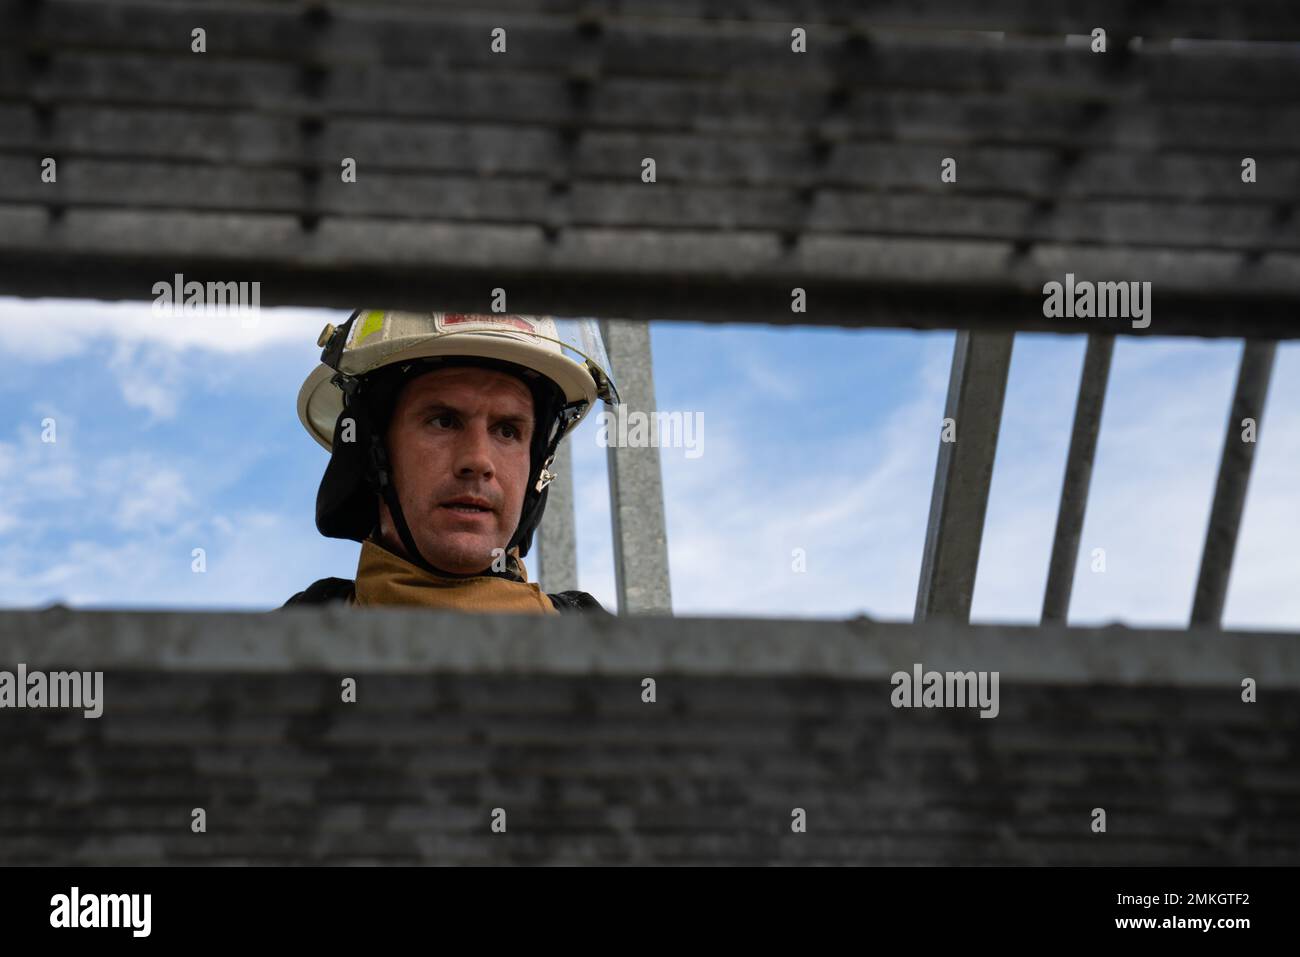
(345, 503)
(524, 533)
(553, 417)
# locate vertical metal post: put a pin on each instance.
(1078, 476)
(1253, 376)
(635, 483)
(959, 499)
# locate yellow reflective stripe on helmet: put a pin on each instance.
(374, 321)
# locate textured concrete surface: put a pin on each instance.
(402, 640)
(588, 773)
(522, 169)
(241, 715)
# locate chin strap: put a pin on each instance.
(564, 417)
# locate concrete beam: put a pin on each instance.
(339, 639)
(761, 296)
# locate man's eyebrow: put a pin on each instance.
(429, 405)
(518, 420)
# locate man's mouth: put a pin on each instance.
(467, 505)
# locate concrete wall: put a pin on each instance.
(775, 169)
(455, 716)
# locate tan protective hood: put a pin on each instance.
(384, 578)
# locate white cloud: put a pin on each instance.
(255, 560)
(1037, 416)
(147, 351)
(1157, 457)
(737, 513)
(150, 511)
(1152, 486)
(763, 378)
(153, 495)
(48, 330)
(149, 377)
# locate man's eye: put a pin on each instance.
(444, 418)
(510, 431)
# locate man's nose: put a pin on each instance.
(474, 452)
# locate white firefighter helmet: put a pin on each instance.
(563, 362)
(569, 352)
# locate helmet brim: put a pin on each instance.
(320, 401)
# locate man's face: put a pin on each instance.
(458, 436)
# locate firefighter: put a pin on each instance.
(442, 429)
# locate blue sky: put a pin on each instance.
(182, 434)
